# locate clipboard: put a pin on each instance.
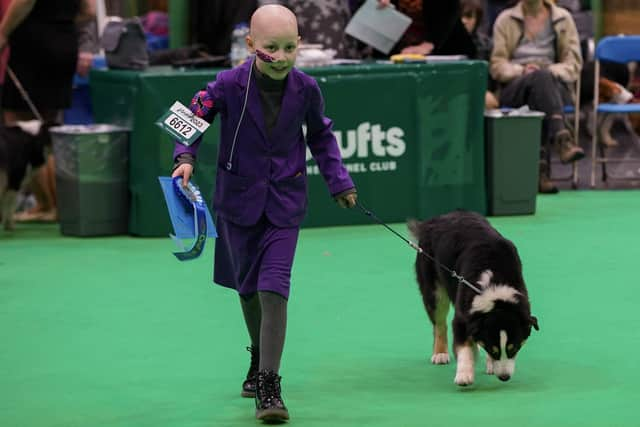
(379, 28)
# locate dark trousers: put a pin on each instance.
(541, 91)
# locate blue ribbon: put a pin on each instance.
(191, 196)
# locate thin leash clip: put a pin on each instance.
(464, 281)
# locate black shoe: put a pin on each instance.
(269, 405)
(249, 384)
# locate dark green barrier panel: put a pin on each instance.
(449, 113)
(374, 122)
(411, 134)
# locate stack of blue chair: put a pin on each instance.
(620, 49)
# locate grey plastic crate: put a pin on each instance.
(92, 167)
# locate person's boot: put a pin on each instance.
(545, 185)
(567, 148)
(249, 384)
(269, 404)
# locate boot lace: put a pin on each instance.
(255, 362)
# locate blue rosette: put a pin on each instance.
(189, 215)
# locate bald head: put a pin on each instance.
(274, 39)
(273, 19)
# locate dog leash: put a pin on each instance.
(454, 274)
(24, 94)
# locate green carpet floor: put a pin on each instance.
(116, 332)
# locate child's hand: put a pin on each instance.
(185, 170)
(347, 199)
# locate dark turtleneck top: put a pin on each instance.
(271, 92)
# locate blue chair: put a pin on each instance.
(620, 49)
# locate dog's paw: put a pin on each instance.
(489, 368)
(465, 368)
(440, 358)
(464, 377)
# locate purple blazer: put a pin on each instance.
(268, 172)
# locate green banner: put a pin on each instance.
(411, 135)
(378, 141)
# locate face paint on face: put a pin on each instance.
(276, 48)
(264, 56)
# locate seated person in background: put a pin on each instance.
(472, 13)
(436, 28)
(536, 53)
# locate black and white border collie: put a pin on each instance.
(498, 319)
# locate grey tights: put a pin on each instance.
(265, 314)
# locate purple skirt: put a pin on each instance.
(256, 258)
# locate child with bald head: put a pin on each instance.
(261, 185)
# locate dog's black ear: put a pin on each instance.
(534, 323)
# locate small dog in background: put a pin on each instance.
(498, 319)
(612, 92)
(634, 87)
(634, 118)
(21, 150)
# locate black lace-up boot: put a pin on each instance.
(269, 404)
(249, 384)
